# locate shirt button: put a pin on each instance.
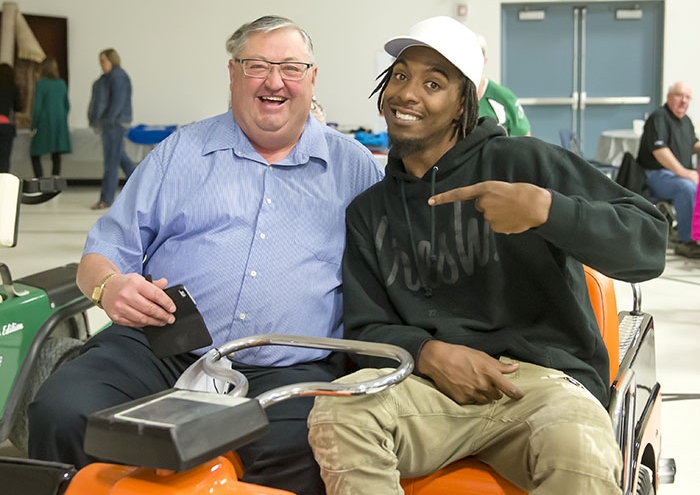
(268, 201)
(253, 273)
(262, 236)
(242, 316)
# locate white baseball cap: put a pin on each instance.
(449, 37)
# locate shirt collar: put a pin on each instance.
(227, 134)
(673, 115)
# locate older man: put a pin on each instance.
(468, 254)
(665, 151)
(246, 210)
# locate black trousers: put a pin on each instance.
(117, 365)
(7, 137)
(56, 165)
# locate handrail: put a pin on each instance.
(310, 389)
(636, 299)
(622, 415)
(8, 284)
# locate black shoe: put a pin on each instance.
(689, 249)
(673, 237)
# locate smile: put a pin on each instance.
(405, 116)
(274, 99)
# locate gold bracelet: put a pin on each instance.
(99, 289)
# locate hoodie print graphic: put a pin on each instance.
(459, 251)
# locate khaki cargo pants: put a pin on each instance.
(556, 440)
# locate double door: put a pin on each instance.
(585, 67)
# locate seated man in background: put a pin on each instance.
(469, 255)
(665, 151)
(499, 102)
(246, 210)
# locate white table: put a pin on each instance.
(613, 144)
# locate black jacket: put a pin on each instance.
(409, 276)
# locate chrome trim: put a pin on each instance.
(227, 374)
(8, 284)
(310, 389)
(622, 413)
(637, 299)
(630, 330)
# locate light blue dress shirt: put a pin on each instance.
(258, 246)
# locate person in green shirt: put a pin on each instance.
(499, 102)
(50, 132)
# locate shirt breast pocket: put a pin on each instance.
(320, 230)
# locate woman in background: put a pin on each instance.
(110, 114)
(10, 102)
(50, 133)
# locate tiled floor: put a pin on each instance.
(53, 233)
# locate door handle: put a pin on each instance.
(564, 100)
(619, 100)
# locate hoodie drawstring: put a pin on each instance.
(432, 257)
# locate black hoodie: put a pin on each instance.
(412, 272)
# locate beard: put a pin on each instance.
(405, 147)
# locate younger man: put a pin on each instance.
(483, 283)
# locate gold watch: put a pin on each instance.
(99, 289)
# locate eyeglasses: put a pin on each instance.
(260, 69)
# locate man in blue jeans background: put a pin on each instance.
(110, 113)
(666, 149)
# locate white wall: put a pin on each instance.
(174, 49)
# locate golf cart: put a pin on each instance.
(151, 434)
(183, 441)
(42, 316)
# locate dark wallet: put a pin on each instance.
(187, 333)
